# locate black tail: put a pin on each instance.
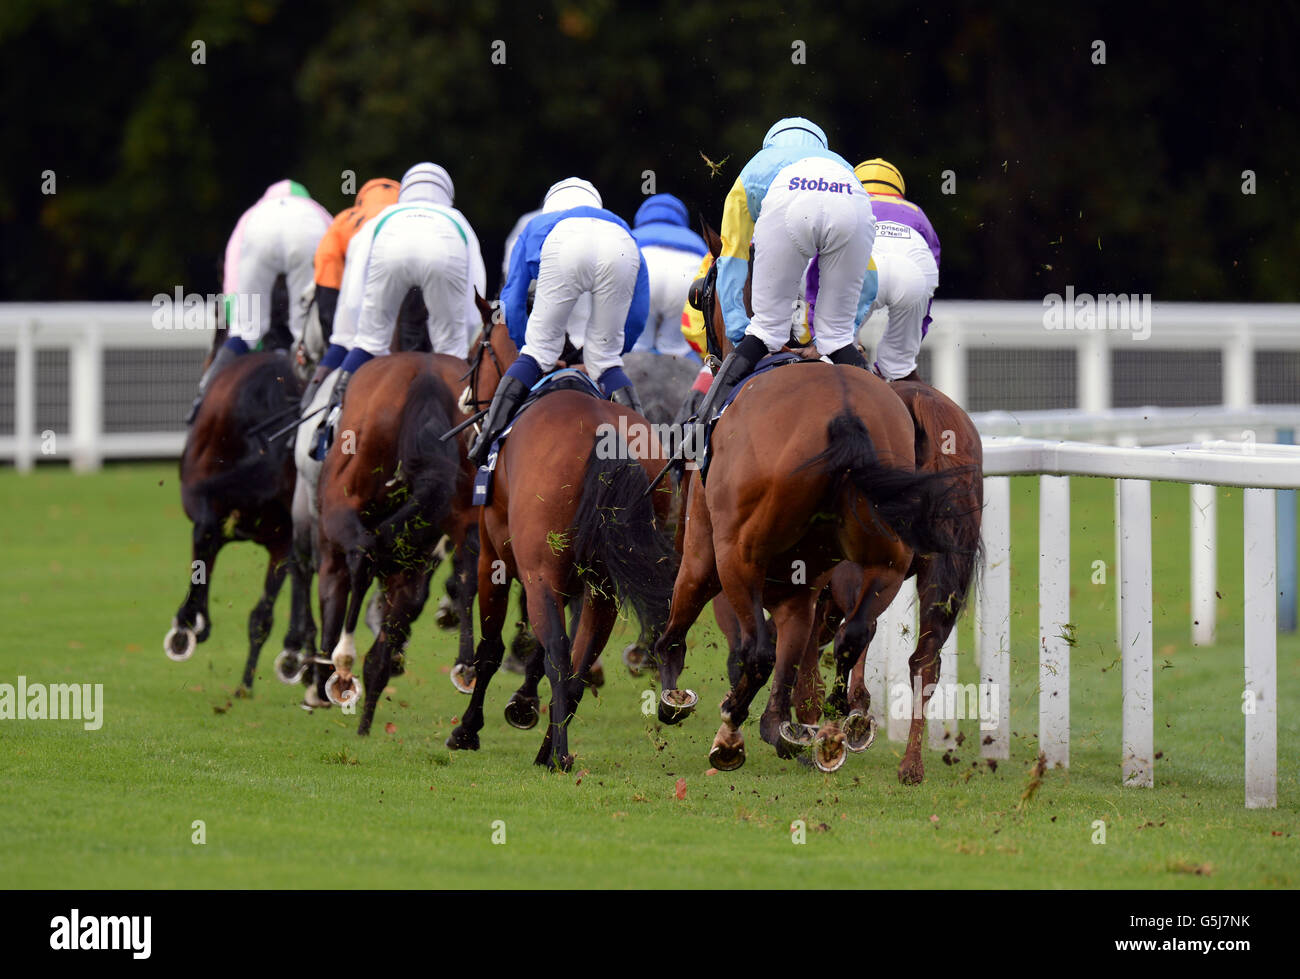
(617, 540)
(924, 509)
(428, 468)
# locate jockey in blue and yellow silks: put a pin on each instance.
(795, 200)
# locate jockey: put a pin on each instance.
(276, 236)
(792, 201)
(575, 248)
(419, 242)
(511, 239)
(373, 197)
(672, 254)
(906, 254)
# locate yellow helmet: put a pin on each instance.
(880, 176)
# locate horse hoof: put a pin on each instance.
(446, 616)
(522, 713)
(828, 752)
(179, 643)
(397, 664)
(859, 731)
(677, 705)
(727, 758)
(795, 739)
(290, 667)
(463, 739)
(909, 774)
(596, 675)
(343, 692)
(462, 678)
(635, 658)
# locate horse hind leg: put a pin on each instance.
(461, 589)
(405, 593)
(300, 640)
(494, 605)
(262, 617)
(191, 624)
(548, 624)
(342, 687)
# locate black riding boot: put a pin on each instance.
(223, 357)
(509, 396)
(851, 355)
(626, 396)
(739, 365)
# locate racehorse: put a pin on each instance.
(236, 486)
(390, 488)
(567, 519)
(837, 480)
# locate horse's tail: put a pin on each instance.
(428, 466)
(617, 539)
(946, 439)
(923, 508)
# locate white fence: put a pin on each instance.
(1261, 469)
(85, 382)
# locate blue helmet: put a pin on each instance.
(664, 209)
(796, 131)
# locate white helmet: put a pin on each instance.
(571, 192)
(427, 182)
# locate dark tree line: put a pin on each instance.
(1117, 176)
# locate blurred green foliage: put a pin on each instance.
(1123, 176)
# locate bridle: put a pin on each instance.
(470, 401)
(704, 297)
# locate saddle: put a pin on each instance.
(769, 363)
(564, 379)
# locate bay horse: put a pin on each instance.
(234, 486)
(840, 482)
(568, 519)
(390, 488)
(461, 533)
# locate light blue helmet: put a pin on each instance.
(796, 131)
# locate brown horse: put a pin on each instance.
(235, 486)
(567, 518)
(839, 482)
(390, 488)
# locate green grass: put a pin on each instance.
(95, 566)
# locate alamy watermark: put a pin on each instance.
(53, 702)
(948, 702)
(1109, 311)
(190, 310)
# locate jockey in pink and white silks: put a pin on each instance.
(575, 250)
(906, 255)
(420, 242)
(276, 236)
(795, 200)
(672, 255)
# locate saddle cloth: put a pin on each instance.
(565, 379)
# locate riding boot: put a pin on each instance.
(626, 396)
(325, 431)
(221, 359)
(739, 365)
(509, 396)
(850, 354)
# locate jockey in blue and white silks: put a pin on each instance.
(573, 249)
(672, 254)
(420, 242)
(795, 200)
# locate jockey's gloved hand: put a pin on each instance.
(851, 355)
